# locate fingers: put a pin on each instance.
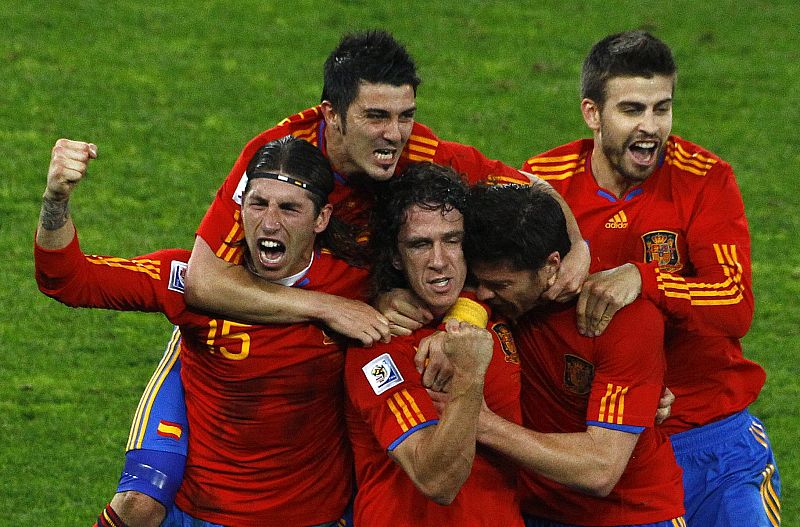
(68, 164)
(359, 321)
(421, 357)
(403, 310)
(401, 324)
(436, 368)
(664, 406)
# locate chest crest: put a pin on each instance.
(506, 339)
(662, 247)
(578, 374)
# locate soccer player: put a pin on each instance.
(588, 445)
(264, 402)
(413, 465)
(665, 221)
(365, 125)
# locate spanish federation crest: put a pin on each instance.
(506, 339)
(382, 373)
(662, 247)
(578, 374)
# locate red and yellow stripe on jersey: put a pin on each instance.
(556, 167)
(727, 292)
(151, 268)
(405, 410)
(612, 404)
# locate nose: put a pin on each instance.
(270, 220)
(392, 131)
(483, 293)
(649, 123)
(438, 259)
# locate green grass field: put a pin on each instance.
(171, 91)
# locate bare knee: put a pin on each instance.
(137, 509)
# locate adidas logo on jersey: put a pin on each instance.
(618, 221)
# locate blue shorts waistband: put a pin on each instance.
(712, 433)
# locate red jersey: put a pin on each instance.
(268, 442)
(612, 381)
(685, 229)
(387, 403)
(352, 197)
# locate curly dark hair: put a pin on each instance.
(627, 54)
(372, 56)
(516, 224)
(429, 186)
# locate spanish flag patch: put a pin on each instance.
(171, 430)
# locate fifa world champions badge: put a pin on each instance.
(382, 373)
(177, 277)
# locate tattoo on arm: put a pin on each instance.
(54, 214)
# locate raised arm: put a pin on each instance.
(438, 459)
(68, 164)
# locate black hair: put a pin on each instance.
(429, 186)
(302, 161)
(627, 54)
(516, 224)
(372, 56)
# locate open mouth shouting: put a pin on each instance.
(270, 252)
(644, 152)
(386, 157)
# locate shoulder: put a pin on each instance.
(693, 161)
(381, 366)
(331, 274)
(422, 145)
(641, 318)
(560, 162)
(302, 125)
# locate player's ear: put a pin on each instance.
(591, 114)
(323, 218)
(397, 263)
(331, 116)
(552, 265)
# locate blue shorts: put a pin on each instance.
(538, 522)
(729, 474)
(177, 518)
(159, 438)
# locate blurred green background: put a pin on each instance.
(171, 91)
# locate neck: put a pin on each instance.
(607, 177)
(335, 150)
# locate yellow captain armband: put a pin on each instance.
(470, 311)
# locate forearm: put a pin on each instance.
(230, 290)
(583, 461)
(440, 464)
(55, 230)
(573, 230)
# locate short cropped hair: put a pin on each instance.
(627, 54)
(372, 56)
(516, 224)
(429, 186)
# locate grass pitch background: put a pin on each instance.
(171, 91)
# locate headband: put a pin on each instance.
(288, 179)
